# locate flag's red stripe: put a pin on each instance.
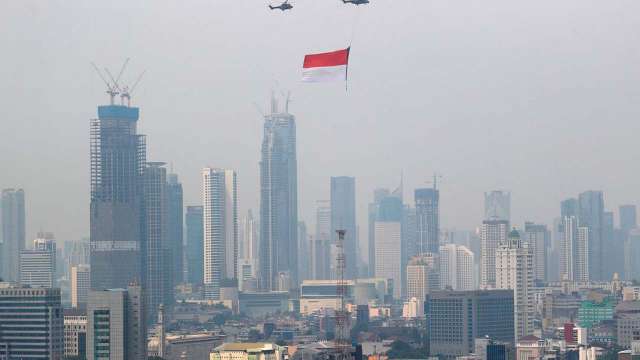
(334, 58)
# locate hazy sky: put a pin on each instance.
(541, 98)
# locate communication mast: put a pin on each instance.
(342, 336)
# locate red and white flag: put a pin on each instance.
(330, 66)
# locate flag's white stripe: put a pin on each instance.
(324, 73)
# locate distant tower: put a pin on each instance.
(388, 243)
(38, 265)
(492, 234)
(591, 215)
(539, 239)
(427, 215)
(423, 277)
(497, 205)
(320, 253)
(13, 233)
(195, 244)
(343, 217)
(175, 227)
(456, 267)
(278, 199)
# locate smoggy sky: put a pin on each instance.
(541, 98)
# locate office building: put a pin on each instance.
(591, 215)
(343, 217)
(515, 271)
(80, 285)
(118, 160)
(13, 233)
(538, 238)
(257, 304)
(456, 318)
(175, 224)
(220, 211)
(249, 237)
(373, 209)
(574, 257)
(427, 220)
(304, 252)
(38, 265)
(195, 245)
(388, 247)
(423, 278)
(116, 327)
(74, 253)
(75, 334)
(41, 337)
(158, 269)
(249, 351)
(628, 217)
(497, 205)
(456, 267)
(320, 244)
(278, 199)
(492, 234)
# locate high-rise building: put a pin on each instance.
(220, 209)
(304, 267)
(38, 265)
(628, 217)
(389, 259)
(574, 257)
(80, 285)
(456, 267)
(492, 234)
(13, 233)
(195, 245)
(591, 215)
(611, 254)
(75, 334)
(538, 237)
(320, 254)
(343, 217)
(157, 266)
(175, 218)
(427, 220)
(497, 205)
(456, 318)
(116, 326)
(278, 199)
(75, 253)
(39, 337)
(249, 232)
(423, 278)
(118, 159)
(378, 195)
(515, 271)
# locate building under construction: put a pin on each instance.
(118, 157)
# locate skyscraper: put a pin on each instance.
(38, 265)
(304, 267)
(492, 234)
(278, 199)
(175, 227)
(116, 327)
(497, 205)
(538, 238)
(628, 217)
(388, 243)
(31, 323)
(13, 233)
(423, 277)
(80, 285)
(118, 159)
(456, 267)
(249, 237)
(378, 195)
(220, 214)
(591, 215)
(320, 255)
(343, 217)
(195, 245)
(574, 256)
(157, 266)
(427, 220)
(514, 270)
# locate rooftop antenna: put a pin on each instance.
(111, 90)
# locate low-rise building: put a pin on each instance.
(249, 351)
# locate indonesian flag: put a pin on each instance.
(330, 66)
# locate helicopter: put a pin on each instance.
(356, 2)
(284, 6)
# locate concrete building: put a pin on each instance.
(258, 304)
(574, 258)
(320, 244)
(497, 205)
(220, 204)
(538, 238)
(80, 285)
(118, 159)
(249, 351)
(13, 233)
(456, 318)
(175, 228)
(591, 215)
(427, 220)
(75, 334)
(456, 267)
(116, 326)
(343, 217)
(373, 210)
(423, 278)
(627, 315)
(514, 271)
(278, 199)
(41, 337)
(316, 295)
(388, 254)
(195, 245)
(38, 265)
(492, 234)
